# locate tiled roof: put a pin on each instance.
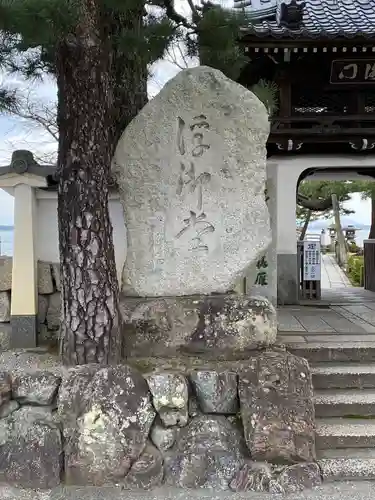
(321, 18)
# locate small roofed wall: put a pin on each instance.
(47, 245)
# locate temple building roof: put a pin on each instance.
(310, 18)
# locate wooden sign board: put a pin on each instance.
(359, 71)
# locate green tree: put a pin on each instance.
(7, 96)
(99, 51)
(367, 190)
(320, 193)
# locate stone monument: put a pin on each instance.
(191, 169)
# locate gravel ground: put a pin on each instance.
(337, 491)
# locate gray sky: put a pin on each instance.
(16, 133)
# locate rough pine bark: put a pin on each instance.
(90, 294)
(372, 229)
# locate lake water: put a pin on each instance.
(359, 235)
(6, 242)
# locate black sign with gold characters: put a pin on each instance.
(353, 71)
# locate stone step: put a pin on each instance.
(343, 376)
(342, 433)
(355, 352)
(347, 469)
(347, 464)
(345, 403)
(350, 453)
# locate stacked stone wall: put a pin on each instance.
(49, 301)
(245, 425)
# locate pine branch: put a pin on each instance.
(175, 16)
(194, 12)
(29, 109)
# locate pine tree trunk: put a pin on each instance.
(372, 229)
(90, 295)
(305, 226)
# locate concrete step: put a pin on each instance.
(350, 453)
(347, 469)
(345, 403)
(342, 433)
(347, 464)
(327, 352)
(344, 376)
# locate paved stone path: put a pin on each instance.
(344, 313)
(344, 323)
(332, 275)
(336, 287)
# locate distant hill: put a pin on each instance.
(6, 228)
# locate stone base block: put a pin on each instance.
(213, 326)
(24, 331)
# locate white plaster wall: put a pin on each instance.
(47, 246)
(270, 290)
(47, 243)
(289, 169)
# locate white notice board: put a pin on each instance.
(311, 261)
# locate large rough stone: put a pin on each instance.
(6, 264)
(207, 454)
(48, 337)
(216, 391)
(297, 477)
(75, 389)
(5, 387)
(193, 406)
(38, 388)
(5, 336)
(200, 324)
(170, 395)
(253, 476)
(56, 276)
(148, 471)
(154, 326)
(4, 307)
(191, 169)
(42, 308)
(31, 449)
(45, 283)
(163, 437)
(115, 416)
(277, 409)
(7, 408)
(54, 311)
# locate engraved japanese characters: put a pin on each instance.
(197, 220)
(191, 170)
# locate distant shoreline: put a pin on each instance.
(6, 228)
